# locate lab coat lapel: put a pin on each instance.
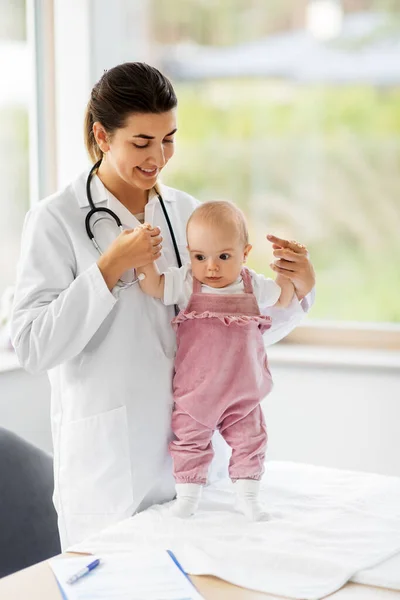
(128, 220)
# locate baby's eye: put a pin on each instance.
(224, 256)
(199, 256)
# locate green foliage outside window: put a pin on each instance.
(317, 164)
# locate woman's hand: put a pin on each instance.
(131, 249)
(294, 263)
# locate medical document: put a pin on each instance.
(125, 576)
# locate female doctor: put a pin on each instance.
(108, 348)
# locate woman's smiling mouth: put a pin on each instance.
(148, 172)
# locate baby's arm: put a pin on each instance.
(287, 291)
(153, 283)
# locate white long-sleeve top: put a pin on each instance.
(178, 287)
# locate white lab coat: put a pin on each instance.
(109, 358)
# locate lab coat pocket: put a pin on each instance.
(95, 471)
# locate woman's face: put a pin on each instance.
(137, 152)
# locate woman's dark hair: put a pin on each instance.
(132, 87)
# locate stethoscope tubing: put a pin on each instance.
(94, 210)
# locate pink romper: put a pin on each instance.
(221, 376)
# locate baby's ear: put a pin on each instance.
(246, 251)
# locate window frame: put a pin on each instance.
(42, 133)
(346, 334)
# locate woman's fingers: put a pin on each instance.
(154, 231)
(287, 244)
(285, 268)
(285, 272)
(156, 241)
(289, 255)
(293, 263)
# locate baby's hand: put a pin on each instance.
(147, 226)
(155, 238)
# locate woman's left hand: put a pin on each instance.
(294, 263)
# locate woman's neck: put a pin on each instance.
(134, 199)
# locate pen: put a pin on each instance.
(84, 571)
(178, 564)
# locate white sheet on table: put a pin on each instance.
(385, 574)
(331, 525)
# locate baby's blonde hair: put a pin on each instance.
(219, 213)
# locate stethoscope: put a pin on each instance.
(94, 210)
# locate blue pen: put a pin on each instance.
(84, 571)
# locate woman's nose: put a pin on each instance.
(159, 157)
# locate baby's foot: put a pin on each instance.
(252, 510)
(187, 501)
(247, 502)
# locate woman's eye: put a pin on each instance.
(169, 141)
(137, 145)
(224, 256)
(199, 257)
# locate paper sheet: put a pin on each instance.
(125, 576)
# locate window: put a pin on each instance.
(293, 113)
(14, 127)
(288, 108)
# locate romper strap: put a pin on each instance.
(196, 286)
(248, 285)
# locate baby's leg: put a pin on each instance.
(247, 436)
(187, 500)
(191, 452)
(247, 501)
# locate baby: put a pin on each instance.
(221, 369)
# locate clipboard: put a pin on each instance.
(120, 571)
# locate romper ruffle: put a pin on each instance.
(226, 313)
(262, 320)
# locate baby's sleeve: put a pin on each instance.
(177, 286)
(265, 289)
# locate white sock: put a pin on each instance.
(187, 501)
(247, 491)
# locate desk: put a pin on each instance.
(38, 583)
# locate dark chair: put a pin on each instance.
(28, 520)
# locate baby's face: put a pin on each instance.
(217, 253)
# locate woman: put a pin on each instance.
(109, 348)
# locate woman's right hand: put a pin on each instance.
(131, 249)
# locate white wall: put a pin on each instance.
(25, 406)
(334, 416)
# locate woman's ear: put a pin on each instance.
(246, 251)
(101, 137)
